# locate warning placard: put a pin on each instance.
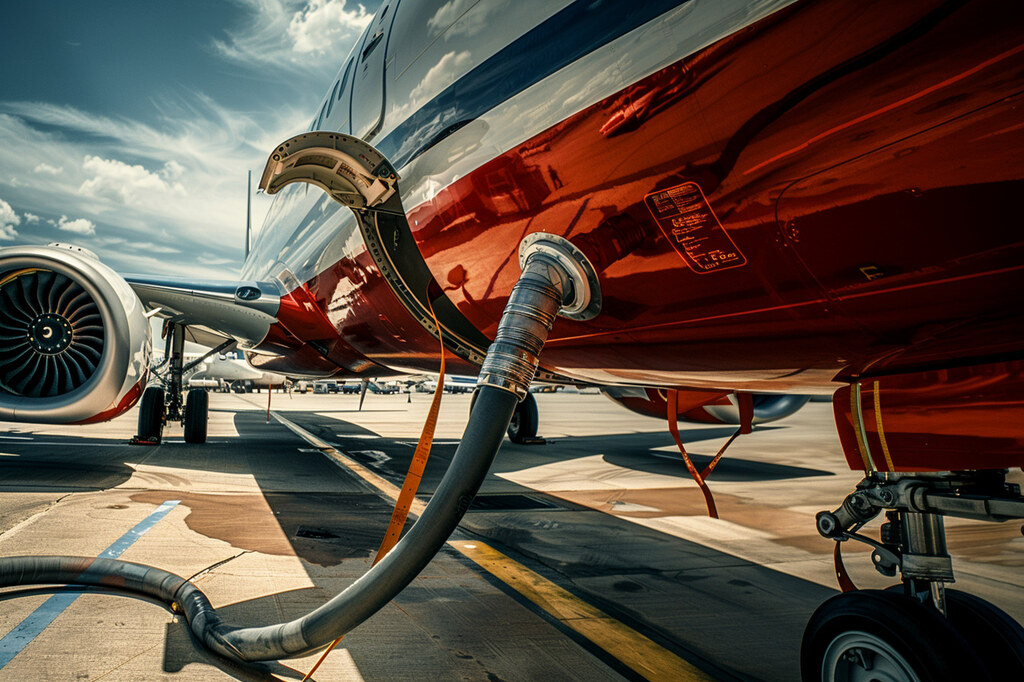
(689, 224)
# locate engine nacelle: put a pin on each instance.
(705, 407)
(74, 339)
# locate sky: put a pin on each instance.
(128, 127)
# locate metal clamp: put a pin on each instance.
(586, 289)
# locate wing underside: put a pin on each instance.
(213, 311)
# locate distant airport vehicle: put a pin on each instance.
(453, 383)
(382, 388)
(706, 207)
(326, 387)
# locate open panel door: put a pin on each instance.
(368, 76)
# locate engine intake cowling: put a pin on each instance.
(74, 339)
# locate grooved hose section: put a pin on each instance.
(536, 298)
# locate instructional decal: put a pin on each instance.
(689, 224)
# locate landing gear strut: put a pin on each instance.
(920, 630)
(162, 405)
(522, 428)
(175, 403)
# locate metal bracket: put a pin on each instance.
(352, 172)
(586, 294)
(916, 544)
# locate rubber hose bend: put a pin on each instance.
(506, 373)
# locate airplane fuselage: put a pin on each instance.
(775, 197)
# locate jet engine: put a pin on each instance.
(74, 340)
(705, 407)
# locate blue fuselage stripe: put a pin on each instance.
(572, 33)
(30, 628)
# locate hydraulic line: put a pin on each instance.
(550, 280)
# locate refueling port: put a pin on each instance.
(585, 302)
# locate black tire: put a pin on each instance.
(893, 636)
(993, 634)
(151, 414)
(525, 420)
(197, 404)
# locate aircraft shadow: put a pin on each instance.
(318, 513)
(637, 451)
(639, 575)
(66, 466)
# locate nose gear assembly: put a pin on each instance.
(920, 630)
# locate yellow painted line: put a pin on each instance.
(345, 462)
(635, 651)
(639, 653)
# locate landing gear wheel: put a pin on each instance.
(197, 405)
(524, 420)
(885, 636)
(993, 634)
(151, 414)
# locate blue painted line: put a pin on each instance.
(30, 628)
(129, 538)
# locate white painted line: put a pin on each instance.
(342, 460)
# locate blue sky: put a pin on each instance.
(128, 127)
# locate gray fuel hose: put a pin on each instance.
(506, 373)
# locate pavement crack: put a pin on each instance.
(50, 506)
(127, 661)
(217, 565)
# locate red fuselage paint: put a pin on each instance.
(940, 420)
(864, 160)
(126, 403)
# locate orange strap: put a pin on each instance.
(721, 451)
(672, 398)
(412, 478)
(416, 467)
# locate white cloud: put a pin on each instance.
(150, 247)
(135, 169)
(319, 25)
(447, 14)
(442, 74)
(172, 171)
(127, 184)
(190, 129)
(47, 169)
(213, 260)
(194, 143)
(324, 28)
(78, 226)
(8, 221)
(461, 18)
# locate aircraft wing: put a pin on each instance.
(213, 310)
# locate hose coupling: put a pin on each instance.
(557, 280)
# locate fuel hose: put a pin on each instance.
(548, 282)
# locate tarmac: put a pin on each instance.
(589, 557)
